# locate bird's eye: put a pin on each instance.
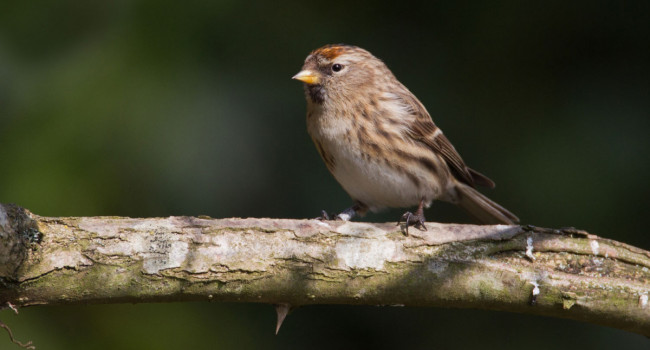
(337, 67)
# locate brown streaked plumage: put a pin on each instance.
(381, 144)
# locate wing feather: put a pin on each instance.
(424, 130)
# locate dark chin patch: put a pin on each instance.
(316, 93)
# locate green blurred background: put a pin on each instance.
(157, 108)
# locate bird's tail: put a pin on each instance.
(484, 209)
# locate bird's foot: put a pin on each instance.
(345, 215)
(416, 220)
(324, 216)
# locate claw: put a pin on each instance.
(323, 215)
(416, 220)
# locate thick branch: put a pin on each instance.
(563, 273)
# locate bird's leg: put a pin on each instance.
(357, 209)
(347, 214)
(417, 220)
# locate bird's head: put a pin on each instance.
(337, 71)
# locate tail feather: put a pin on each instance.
(484, 209)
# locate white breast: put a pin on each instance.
(370, 181)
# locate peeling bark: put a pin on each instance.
(563, 273)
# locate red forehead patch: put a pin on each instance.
(330, 52)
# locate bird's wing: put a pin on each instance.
(424, 130)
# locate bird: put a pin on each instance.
(380, 143)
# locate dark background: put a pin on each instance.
(157, 108)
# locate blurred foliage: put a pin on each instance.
(156, 108)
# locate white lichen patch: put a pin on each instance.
(245, 252)
(98, 226)
(594, 246)
(364, 254)
(360, 229)
(4, 221)
(171, 255)
(529, 248)
(158, 249)
(137, 243)
(643, 301)
(535, 288)
(57, 260)
(218, 256)
(61, 259)
(321, 223)
(103, 227)
(203, 258)
(168, 224)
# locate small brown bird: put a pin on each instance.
(381, 144)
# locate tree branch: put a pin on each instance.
(563, 273)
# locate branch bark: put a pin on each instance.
(563, 273)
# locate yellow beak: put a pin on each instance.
(307, 76)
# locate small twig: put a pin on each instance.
(27, 345)
(11, 306)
